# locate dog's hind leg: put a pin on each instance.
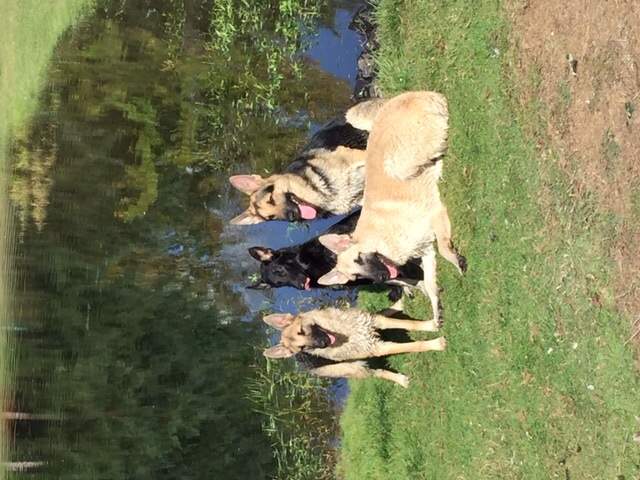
(384, 323)
(398, 378)
(383, 349)
(358, 369)
(429, 285)
(442, 228)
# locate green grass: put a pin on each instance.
(29, 31)
(537, 382)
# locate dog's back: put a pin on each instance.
(338, 132)
(402, 171)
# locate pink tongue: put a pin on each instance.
(307, 212)
(332, 338)
(307, 284)
(393, 271)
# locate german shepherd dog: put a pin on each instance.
(326, 178)
(346, 338)
(402, 213)
(300, 266)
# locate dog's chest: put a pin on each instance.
(358, 337)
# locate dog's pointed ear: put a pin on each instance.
(336, 243)
(247, 183)
(278, 320)
(246, 218)
(334, 277)
(278, 351)
(262, 254)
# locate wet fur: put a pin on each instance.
(356, 338)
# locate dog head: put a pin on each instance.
(298, 334)
(280, 269)
(354, 264)
(271, 199)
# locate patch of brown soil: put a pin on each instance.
(583, 57)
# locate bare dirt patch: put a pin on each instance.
(579, 64)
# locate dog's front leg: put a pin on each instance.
(429, 285)
(382, 322)
(398, 378)
(442, 229)
(382, 349)
(405, 283)
(358, 369)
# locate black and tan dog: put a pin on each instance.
(403, 213)
(300, 266)
(326, 178)
(346, 338)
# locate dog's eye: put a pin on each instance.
(271, 217)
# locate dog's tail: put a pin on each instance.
(362, 114)
(418, 124)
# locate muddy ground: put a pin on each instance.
(578, 64)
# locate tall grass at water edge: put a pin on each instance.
(298, 418)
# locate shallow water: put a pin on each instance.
(131, 328)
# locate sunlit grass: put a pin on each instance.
(537, 382)
(29, 31)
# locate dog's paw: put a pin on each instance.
(403, 380)
(430, 326)
(462, 264)
(440, 344)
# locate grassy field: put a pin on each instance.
(538, 381)
(28, 35)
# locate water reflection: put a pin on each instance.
(129, 353)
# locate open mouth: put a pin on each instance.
(307, 211)
(330, 336)
(391, 268)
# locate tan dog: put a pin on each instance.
(326, 178)
(402, 213)
(345, 338)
